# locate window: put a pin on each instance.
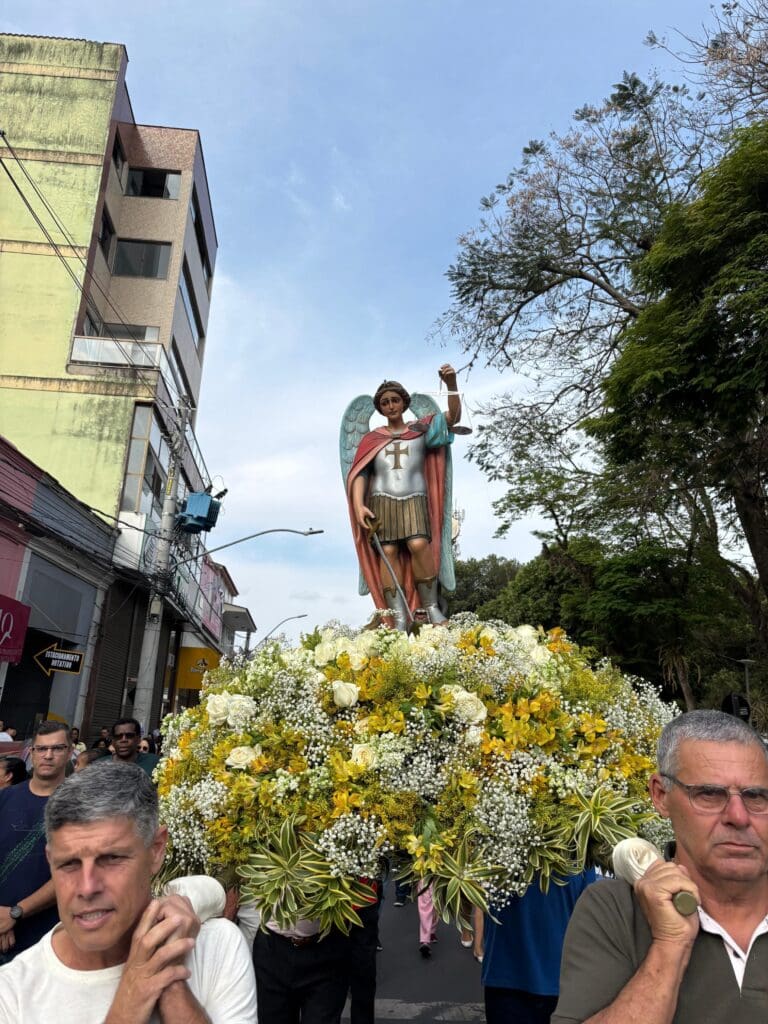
(188, 298)
(202, 248)
(147, 468)
(131, 332)
(106, 233)
(91, 327)
(153, 184)
(142, 259)
(179, 376)
(118, 156)
(152, 489)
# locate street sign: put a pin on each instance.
(55, 659)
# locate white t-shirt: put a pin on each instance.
(36, 987)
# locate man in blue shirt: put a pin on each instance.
(27, 900)
(521, 962)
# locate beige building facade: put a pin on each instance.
(107, 258)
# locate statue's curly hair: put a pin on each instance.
(391, 385)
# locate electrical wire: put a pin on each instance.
(88, 273)
(89, 300)
(150, 384)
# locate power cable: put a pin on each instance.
(89, 301)
(179, 386)
(88, 273)
(149, 384)
(44, 503)
(90, 304)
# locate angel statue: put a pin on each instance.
(398, 480)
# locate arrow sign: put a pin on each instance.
(55, 659)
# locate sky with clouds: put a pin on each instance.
(347, 144)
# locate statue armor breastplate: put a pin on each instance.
(398, 469)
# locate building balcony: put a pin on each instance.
(115, 353)
(141, 358)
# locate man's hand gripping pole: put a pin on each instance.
(633, 857)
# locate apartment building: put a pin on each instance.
(108, 252)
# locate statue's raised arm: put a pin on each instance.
(398, 478)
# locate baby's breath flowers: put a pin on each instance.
(484, 756)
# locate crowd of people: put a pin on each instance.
(83, 938)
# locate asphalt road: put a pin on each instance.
(444, 988)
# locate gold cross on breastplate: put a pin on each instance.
(397, 450)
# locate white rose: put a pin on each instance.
(527, 636)
(240, 710)
(325, 653)
(473, 736)
(361, 726)
(364, 755)
(345, 695)
(217, 707)
(357, 660)
(466, 706)
(471, 709)
(241, 757)
(367, 642)
(540, 655)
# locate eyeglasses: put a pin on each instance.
(56, 748)
(123, 735)
(714, 799)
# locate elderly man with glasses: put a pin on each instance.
(27, 900)
(630, 956)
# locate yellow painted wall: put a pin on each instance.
(57, 97)
(40, 302)
(79, 439)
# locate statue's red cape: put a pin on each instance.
(434, 474)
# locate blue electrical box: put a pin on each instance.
(199, 513)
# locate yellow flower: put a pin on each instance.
(590, 725)
(344, 802)
(466, 780)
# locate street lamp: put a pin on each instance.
(288, 618)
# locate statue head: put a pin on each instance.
(391, 385)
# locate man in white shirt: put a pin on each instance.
(631, 957)
(119, 956)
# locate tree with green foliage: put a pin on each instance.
(551, 282)
(480, 580)
(666, 614)
(689, 390)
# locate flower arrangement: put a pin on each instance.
(483, 756)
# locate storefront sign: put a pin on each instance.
(14, 617)
(192, 664)
(54, 659)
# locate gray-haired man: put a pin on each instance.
(629, 956)
(118, 956)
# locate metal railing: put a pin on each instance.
(140, 355)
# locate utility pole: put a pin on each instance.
(150, 643)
